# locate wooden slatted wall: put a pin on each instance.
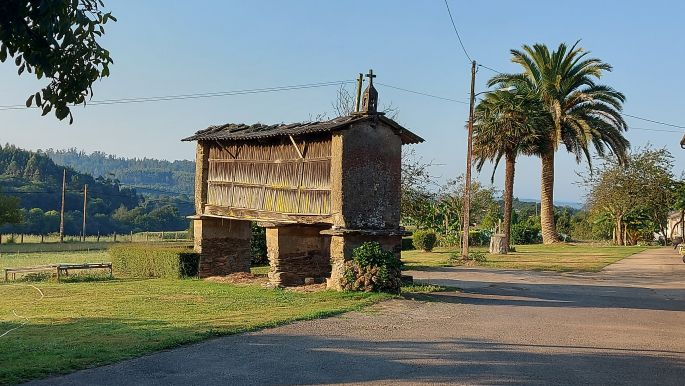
(271, 177)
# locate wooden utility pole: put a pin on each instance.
(358, 100)
(85, 202)
(469, 160)
(61, 212)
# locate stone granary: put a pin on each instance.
(320, 189)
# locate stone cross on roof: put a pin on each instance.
(370, 99)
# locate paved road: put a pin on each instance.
(625, 325)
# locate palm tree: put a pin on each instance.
(506, 124)
(584, 114)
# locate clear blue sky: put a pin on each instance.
(179, 47)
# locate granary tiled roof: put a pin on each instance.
(233, 131)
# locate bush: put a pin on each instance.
(479, 237)
(424, 240)
(524, 233)
(258, 245)
(146, 260)
(372, 269)
(407, 244)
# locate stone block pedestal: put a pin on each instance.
(296, 253)
(344, 241)
(223, 245)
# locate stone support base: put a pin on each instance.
(223, 245)
(296, 253)
(343, 245)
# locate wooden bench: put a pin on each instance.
(60, 269)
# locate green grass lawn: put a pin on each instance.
(559, 258)
(80, 325)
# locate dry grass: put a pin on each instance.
(559, 257)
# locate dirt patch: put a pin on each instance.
(242, 278)
(308, 288)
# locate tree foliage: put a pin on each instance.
(636, 197)
(9, 210)
(56, 39)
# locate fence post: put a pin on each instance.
(42, 238)
(115, 237)
(131, 236)
(21, 239)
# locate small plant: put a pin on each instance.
(424, 240)
(372, 269)
(477, 256)
(423, 288)
(474, 256)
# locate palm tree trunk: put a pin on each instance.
(549, 229)
(510, 168)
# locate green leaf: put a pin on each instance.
(38, 101)
(29, 101)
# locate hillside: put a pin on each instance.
(37, 181)
(148, 176)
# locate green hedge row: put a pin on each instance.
(146, 260)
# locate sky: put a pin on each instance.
(166, 47)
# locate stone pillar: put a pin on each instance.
(343, 244)
(201, 173)
(297, 252)
(223, 245)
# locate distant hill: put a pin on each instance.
(36, 180)
(149, 176)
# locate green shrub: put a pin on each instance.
(479, 237)
(407, 244)
(372, 269)
(424, 240)
(258, 245)
(147, 260)
(525, 233)
(478, 256)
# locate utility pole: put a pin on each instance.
(358, 101)
(85, 201)
(61, 212)
(469, 161)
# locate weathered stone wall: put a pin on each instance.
(201, 172)
(342, 248)
(297, 252)
(223, 245)
(365, 177)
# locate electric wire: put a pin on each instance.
(457, 32)
(162, 98)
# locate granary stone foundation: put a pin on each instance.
(298, 253)
(223, 245)
(343, 243)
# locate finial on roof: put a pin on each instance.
(370, 99)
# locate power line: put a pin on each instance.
(457, 32)
(197, 95)
(653, 121)
(423, 93)
(489, 68)
(660, 130)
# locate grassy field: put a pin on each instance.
(559, 258)
(80, 325)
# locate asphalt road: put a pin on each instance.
(624, 325)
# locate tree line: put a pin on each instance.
(32, 192)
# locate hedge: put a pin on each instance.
(146, 260)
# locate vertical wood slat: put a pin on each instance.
(283, 185)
